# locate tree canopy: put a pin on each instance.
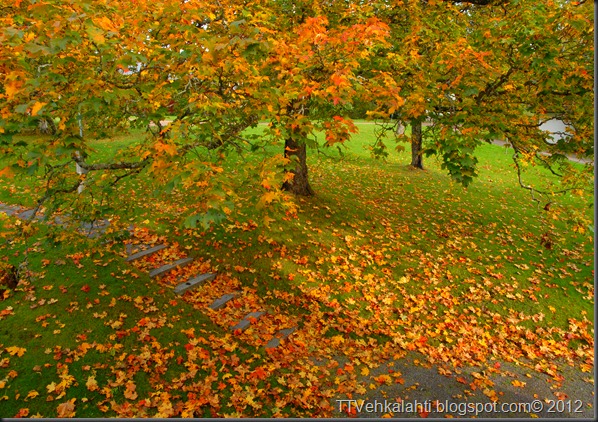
(196, 74)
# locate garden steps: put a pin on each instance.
(194, 283)
(145, 252)
(223, 300)
(279, 336)
(247, 321)
(157, 272)
(97, 228)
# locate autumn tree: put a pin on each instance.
(414, 78)
(195, 75)
(536, 63)
(491, 70)
(94, 69)
(317, 52)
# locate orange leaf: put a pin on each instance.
(67, 409)
(12, 89)
(259, 373)
(14, 350)
(6, 171)
(37, 107)
(130, 390)
(92, 384)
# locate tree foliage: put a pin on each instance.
(478, 70)
(482, 71)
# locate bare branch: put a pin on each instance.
(547, 165)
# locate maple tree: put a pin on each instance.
(96, 69)
(480, 71)
(196, 80)
(536, 71)
(317, 53)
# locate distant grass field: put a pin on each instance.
(383, 259)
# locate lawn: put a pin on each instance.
(383, 261)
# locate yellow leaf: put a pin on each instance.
(14, 350)
(92, 384)
(37, 107)
(11, 89)
(336, 340)
(288, 176)
(365, 371)
(517, 383)
(32, 394)
(51, 387)
(269, 197)
(67, 409)
(105, 24)
(98, 38)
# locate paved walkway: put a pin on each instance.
(521, 392)
(569, 156)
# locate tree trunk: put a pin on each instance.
(297, 153)
(416, 144)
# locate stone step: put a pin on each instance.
(93, 229)
(145, 252)
(193, 283)
(279, 336)
(165, 268)
(12, 210)
(221, 301)
(138, 247)
(246, 322)
(25, 215)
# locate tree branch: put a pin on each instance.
(109, 166)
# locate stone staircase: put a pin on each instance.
(192, 284)
(237, 308)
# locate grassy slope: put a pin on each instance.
(383, 255)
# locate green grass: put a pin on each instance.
(76, 317)
(383, 254)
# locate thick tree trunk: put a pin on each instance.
(416, 144)
(297, 152)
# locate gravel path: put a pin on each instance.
(521, 393)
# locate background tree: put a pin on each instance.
(492, 70)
